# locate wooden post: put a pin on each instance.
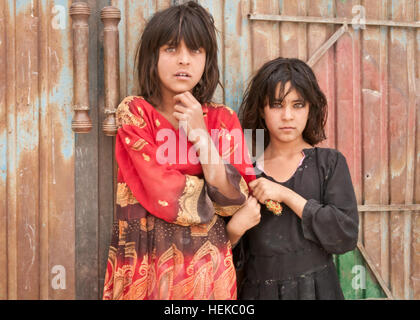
(110, 17)
(80, 11)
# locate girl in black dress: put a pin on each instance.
(289, 256)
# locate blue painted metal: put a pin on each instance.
(237, 51)
(39, 113)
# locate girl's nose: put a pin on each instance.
(287, 113)
(184, 56)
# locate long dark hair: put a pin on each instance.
(263, 87)
(189, 22)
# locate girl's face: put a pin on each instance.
(287, 120)
(179, 68)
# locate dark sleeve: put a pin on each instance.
(333, 224)
(224, 206)
(235, 179)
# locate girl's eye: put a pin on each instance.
(170, 49)
(196, 51)
(277, 105)
(299, 105)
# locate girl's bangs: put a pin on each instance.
(272, 83)
(191, 30)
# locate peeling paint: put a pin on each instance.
(326, 8)
(400, 36)
(3, 168)
(371, 35)
(418, 39)
(236, 54)
(60, 101)
(372, 92)
(30, 235)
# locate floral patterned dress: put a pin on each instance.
(169, 237)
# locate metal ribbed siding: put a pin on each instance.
(36, 152)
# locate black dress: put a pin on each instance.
(286, 257)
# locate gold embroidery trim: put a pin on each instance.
(163, 203)
(124, 195)
(174, 257)
(201, 230)
(206, 249)
(139, 144)
(130, 250)
(145, 157)
(147, 224)
(138, 289)
(188, 202)
(125, 116)
(217, 105)
(227, 280)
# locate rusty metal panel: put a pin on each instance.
(265, 35)
(416, 215)
(37, 153)
(26, 175)
(61, 215)
(400, 188)
(3, 158)
(237, 51)
(347, 91)
(215, 7)
(348, 122)
(411, 150)
(375, 137)
(325, 68)
(10, 156)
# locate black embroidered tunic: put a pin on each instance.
(286, 257)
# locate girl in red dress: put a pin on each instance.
(182, 167)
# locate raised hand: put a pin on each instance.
(188, 112)
(244, 219)
(264, 189)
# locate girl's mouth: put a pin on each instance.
(182, 75)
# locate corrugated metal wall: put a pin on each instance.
(36, 151)
(58, 209)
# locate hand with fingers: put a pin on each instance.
(244, 219)
(189, 113)
(269, 193)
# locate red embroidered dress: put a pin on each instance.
(169, 240)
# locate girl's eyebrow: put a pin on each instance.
(296, 100)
